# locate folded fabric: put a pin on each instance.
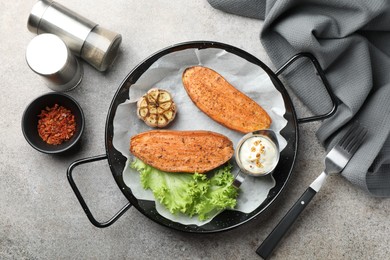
(351, 40)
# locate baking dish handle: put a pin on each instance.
(322, 76)
(81, 199)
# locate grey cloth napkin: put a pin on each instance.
(351, 40)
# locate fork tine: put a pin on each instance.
(351, 133)
(353, 138)
(356, 142)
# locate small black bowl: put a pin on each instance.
(30, 122)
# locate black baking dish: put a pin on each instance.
(227, 219)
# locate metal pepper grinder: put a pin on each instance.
(48, 56)
(86, 39)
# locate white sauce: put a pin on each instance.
(258, 155)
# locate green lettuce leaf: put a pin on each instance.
(190, 194)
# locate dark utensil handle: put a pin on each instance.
(324, 80)
(268, 245)
(81, 199)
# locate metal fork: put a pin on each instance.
(335, 162)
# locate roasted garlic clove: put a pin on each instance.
(156, 108)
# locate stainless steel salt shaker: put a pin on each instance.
(86, 39)
(48, 56)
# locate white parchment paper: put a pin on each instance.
(166, 73)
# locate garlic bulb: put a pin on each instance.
(156, 108)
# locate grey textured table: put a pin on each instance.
(40, 217)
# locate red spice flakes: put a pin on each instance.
(56, 124)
